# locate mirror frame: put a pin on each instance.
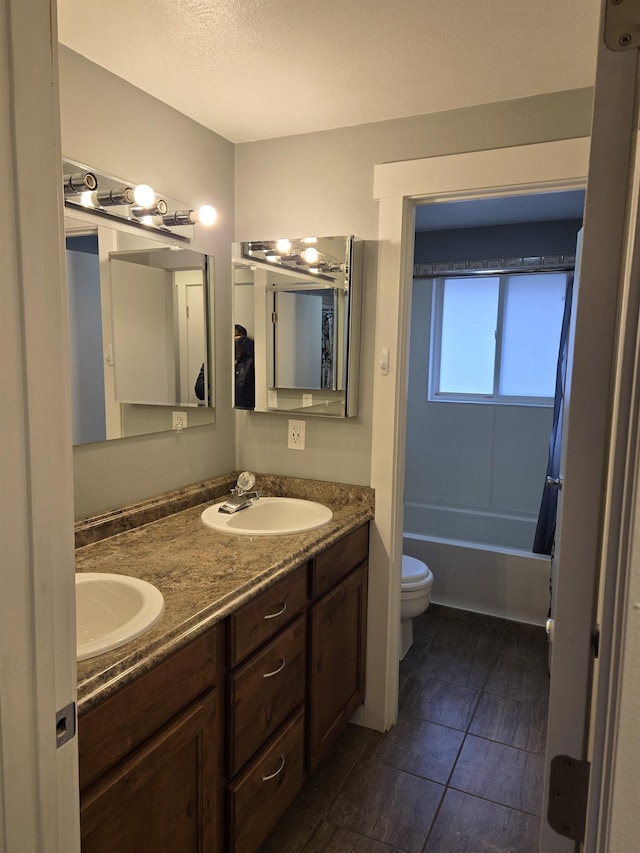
(342, 274)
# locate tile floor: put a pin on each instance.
(463, 768)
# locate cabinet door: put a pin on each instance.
(337, 659)
(162, 799)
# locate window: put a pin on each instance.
(495, 338)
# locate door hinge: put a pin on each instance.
(65, 724)
(274, 316)
(622, 24)
(568, 792)
(595, 641)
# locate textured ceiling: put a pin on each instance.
(258, 69)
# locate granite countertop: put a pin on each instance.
(203, 575)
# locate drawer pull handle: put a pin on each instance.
(279, 770)
(275, 671)
(278, 613)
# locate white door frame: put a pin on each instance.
(38, 782)
(399, 187)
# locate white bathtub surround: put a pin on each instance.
(508, 583)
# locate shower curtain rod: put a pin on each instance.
(496, 266)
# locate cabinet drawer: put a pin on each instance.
(264, 691)
(263, 617)
(338, 560)
(119, 724)
(260, 795)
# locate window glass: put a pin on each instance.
(497, 337)
(532, 320)
(468, 335)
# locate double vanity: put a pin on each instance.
(197, 734)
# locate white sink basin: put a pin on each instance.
(269, 517)
(111, 610)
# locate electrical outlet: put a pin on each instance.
(295, 434)
(179, 421)
(307, 400)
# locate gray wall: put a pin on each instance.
(118, 129)
(322, 183)
(313, 183)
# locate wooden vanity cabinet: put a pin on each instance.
(150, 759)
(276, 683)
(337, 640)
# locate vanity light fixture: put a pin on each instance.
(136, 204)
(144, 196)
(115, 197)
(158, 209)
(79, 182)
(205, 215)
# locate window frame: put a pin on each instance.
(434, 395)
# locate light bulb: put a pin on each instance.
(283, 246)
(207, 215)
(144, 196)
(272, 258)
(88, 199)
(310, 255)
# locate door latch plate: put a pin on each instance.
(568, 791)
(622, 24)
(65, 724)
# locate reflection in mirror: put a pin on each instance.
(299, 302)
(139, 333)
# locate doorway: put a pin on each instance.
(399, 187)
(477, 449)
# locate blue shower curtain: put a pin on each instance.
(544, 538)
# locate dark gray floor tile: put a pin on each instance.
(437, 701)
(311, 804)
(523, 649)
(467, 824)
(502, 774)
(329, 838)
(387, 805)
(356, 739)
(424, 749)
(476, 637)
(511, 722)
(457, 666)
(426, 627)
(515, 681)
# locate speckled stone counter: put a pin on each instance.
(203, 575)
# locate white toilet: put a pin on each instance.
(417, 581)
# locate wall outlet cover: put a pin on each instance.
(295, 435)
(179, 421)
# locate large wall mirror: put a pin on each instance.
(139, 330)
(297, 325)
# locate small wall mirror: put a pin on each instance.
(139, 332)
(297, 325)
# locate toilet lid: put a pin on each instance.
(413, 570)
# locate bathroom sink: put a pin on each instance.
(111, 610)
(269, 517)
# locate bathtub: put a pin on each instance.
(504, 582)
